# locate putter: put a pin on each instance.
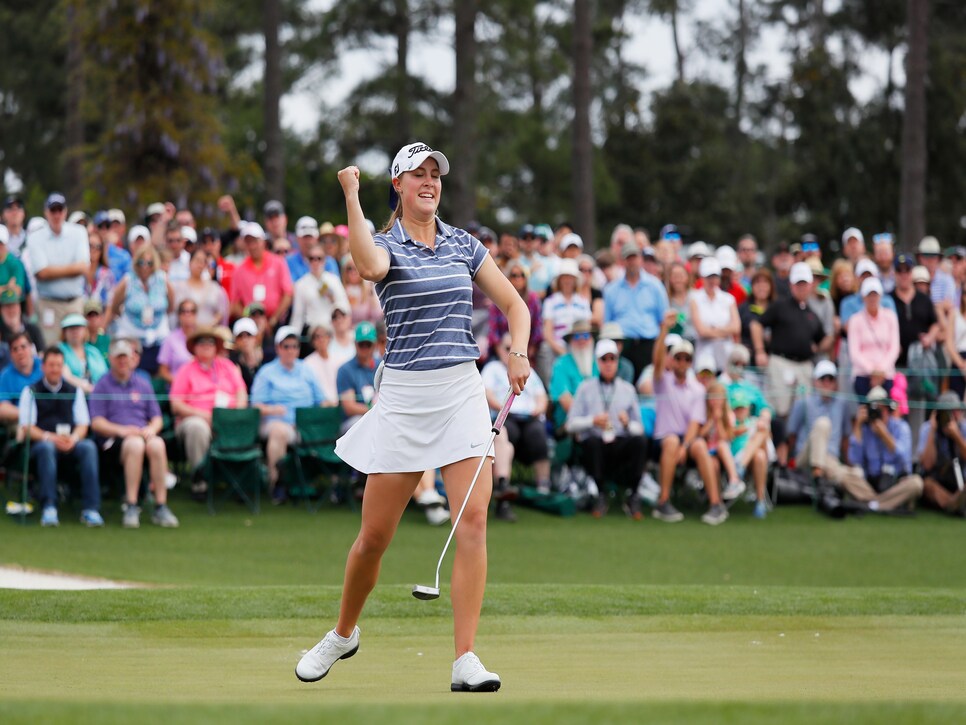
(419, 591)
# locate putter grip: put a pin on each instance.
(501, 418)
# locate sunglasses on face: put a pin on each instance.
(316, 259)
(608, 359)
(145, 263)
(364, 344)
(517, 275)
(55, 209)
(104, 225)
(586, 270)
(827, 378)
(580, 336)
(289, 346)
(188, 311)
(682, 358)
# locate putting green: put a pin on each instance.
(546, 660)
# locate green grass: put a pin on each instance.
(796, 619)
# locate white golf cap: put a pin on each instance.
(568, 266)
(699, 249)
(871, 285)
(728, 258)
(800, 272)
(156, 208)
(306, 226)
(285, 332)
(412, 156)
(190, 234)
(823, 368)
(852, 232)
(244, 324)
(571, 240)
(709, 267)
(878, 394)
(866, 266)
(138, 231)
(77, 217)
(930, 245)
(705, 361)
(682, 346)
(251, 229)
(116, 215)
(605, 347)
(920, 274)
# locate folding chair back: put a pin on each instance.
(314, 453)
(235, 455)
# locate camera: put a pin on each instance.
(875, 413)
(942, 420)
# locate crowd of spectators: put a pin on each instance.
(658, 366)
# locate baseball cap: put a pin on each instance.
(251, 229)
(630, 249)
(727, 257)
(55, 199)
(12, 200)
(116, 215)
(781, 248)
(795, 247)
(306, 226)
(866, 266)
(681, 347)
(648, 252)
(542, 231)
(611, 331)
(920, 274)
(285, 332)
(930, 246)
(739, 399)
(823, 368)
(342, 230)
(580, 326)
(705, 361)
(411, 157)
(138, 231)
(699, 249)
(670, 233)
(244, 324)
(568, 266)
(253, 308)
(870, 285)
(878, 394)
(101, 217)
(956, 252)
(800, 272)
(605, 347)
(949, 400)
(852, 232)
(526, 231)
(155, 208)
(905, 260)
(273, 207)
(189, 234)
(365, 332)
(710, 267)
(883, 238)
(77, 217)
(326, 228)
(120, 347)
(73, 320)
(571, 240)
(93, 305)
(809, 243)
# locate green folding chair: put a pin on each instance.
(313, 455)
(235, 457)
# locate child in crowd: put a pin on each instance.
(718, 431)
(749, 447)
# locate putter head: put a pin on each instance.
(421, 592)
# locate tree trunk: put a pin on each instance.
(678, 51)
(912, 194)
(464, 114)
(583, 150)
(741, 61)
(274, 164)
(404, 124)
(74, 122)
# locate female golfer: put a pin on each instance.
(431, 409)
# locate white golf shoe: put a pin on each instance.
(317, 662)
(469, 675)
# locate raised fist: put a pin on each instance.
(349, 178)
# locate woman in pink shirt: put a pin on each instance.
(873, 336)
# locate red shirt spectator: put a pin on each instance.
(263, 277)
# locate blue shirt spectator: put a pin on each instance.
(294, 387)
(13, 380)
(119, 260)
(298, 266)
(853, 303)
(637, 307)
(872, 454)
(806, 411)
(358, 378)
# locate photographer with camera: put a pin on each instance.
(942, 448)
(881, 444)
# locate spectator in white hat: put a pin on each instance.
(853, 245)
(865, 269)
(247, 353)
(714, 315)
(176, 240)
(873, 336)
(571, 246)
(942, 288)
(730, 269)
(560, 311)
(796, 334)
(307, 236)
(263, 277)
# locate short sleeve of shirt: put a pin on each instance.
(767, 318)
(343, 380)
(478, 254)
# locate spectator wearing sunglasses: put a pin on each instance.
(571, 369)
(681, 411)
(519, 277)
(280, 387)
(141, 304)
(355, 380)
(818, 424)
(317, 293)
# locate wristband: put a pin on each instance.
(514, 353)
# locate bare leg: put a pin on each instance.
(669, 455)
(279, 436)
(541, 470)
(383, 504)
(759, 469)
(702, 458)
(469, 565)
(132, 460)
(158, 463)
(727, 461)
(751, 447)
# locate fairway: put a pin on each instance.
(766, 642)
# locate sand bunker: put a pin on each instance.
(16, 577)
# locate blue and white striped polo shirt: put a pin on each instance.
(427, 297)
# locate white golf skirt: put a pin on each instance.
(420, 420)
